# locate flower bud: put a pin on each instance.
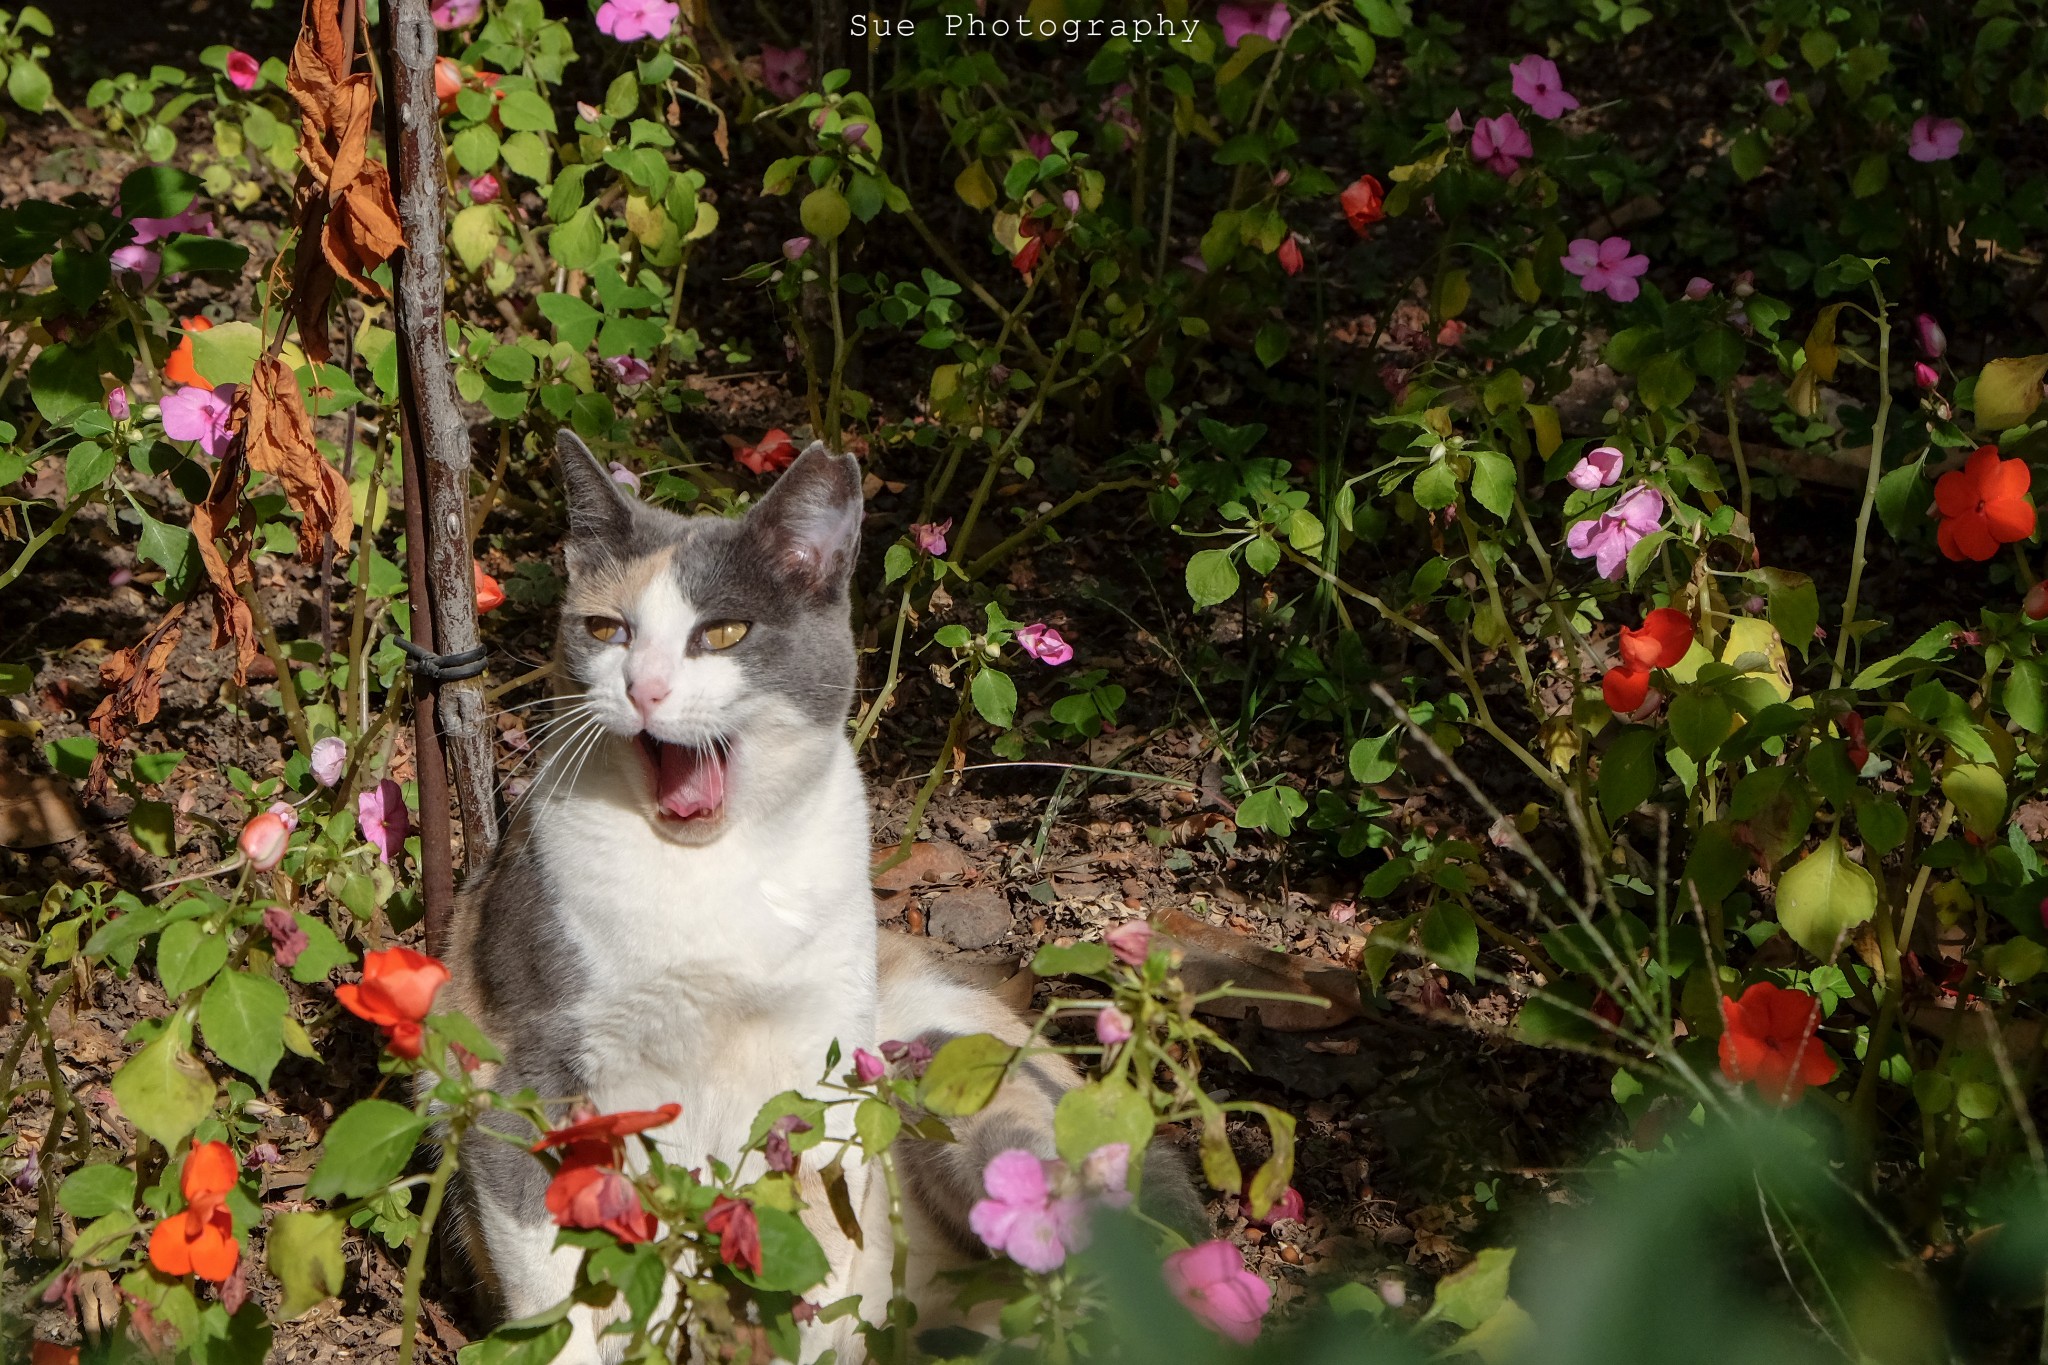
(1112, 1026)
(2037, 601)
(330, 757)
(117, 405)
(587, 112)
(1933, 341)
(264, 841)
(1698, 288)
(484, 189)
(856, 134)
(287, 812)
(868, 1067)
(1925, 375)
(795, 247)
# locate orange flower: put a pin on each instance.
(396, 993)
(1665, 635)
(775, 451)
(1625, 689)
(179, 368)
(591, 1196)
(1363, 201)
(1983, 505)
(489, 596)
(447, 82)
(1769, 1038)
(50, 1353)
(200, 1240)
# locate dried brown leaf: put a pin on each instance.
(133, 678)
(270, 412)
(221, 518)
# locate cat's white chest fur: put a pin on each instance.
(719, 975)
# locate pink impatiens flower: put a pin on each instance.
(287, 939)
(1934, 139)
(1211, 1282)
(149, 230)
(1606, 267)
(1538, 85)
(117, 405)
(794, 248)
(1933, 342)
(451, 14)
(243, 70)
(329, 757)
(1246, 17)
(786, 71)
(930, 536)
(1112, 1026)
(485, 189)
(1044, 644)
(631, 20)
(1597, 469)
(1130, 942)
(629, 369)
(1022, 1218)
(381, 813)
(199, 414)
(624, 476)
(1779, 91)
(137, 262)
(1607, 538)
(868, 1066)
(1499, 144)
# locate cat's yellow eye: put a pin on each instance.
(724, 634)
(609, 629)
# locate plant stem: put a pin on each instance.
(48, 534)
(872, 715)
(1884, 411)
(416, 1263)
(832, 395)
(955, 733)
(1735, 448)
(287, 689)
(1031, 528)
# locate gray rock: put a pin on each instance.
(970, 919)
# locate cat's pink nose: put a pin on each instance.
(647, 694)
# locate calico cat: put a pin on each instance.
(681, 908)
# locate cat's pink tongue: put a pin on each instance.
(689, 782)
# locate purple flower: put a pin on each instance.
(1130, 942)
(244, 71)
(624, 477)
(1112, 1026)
(1607, 538)
(138, 263)
(786, 71)
(1538, 85)
(1044, 644)
(795, 248)
(1925, 375)
(1927, 332)
(930, 536)
(30, 1175)
(628, 369)
(631, 20)
(855, 134)
(1598, 469)
(196, 414)
(1022, 1218)
(287, 939)
(1934, 139)
(1242, 18)
(329, 757)
(449, 14)
(914, 1055)
(868, 1066)
(1698, 287)
(776, 1150)
(1606, 267)
(1499, 144)
(381, 813)
(485, 189)
(149, 230)
(117, 405)
(1779, 91)
(1038, 144)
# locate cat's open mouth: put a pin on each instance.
(689, 779)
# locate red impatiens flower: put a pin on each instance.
(602, 1137)
(739, 1234)
(1660, 642)
(1040, 236)
(396, 993)
(201, 1239)
(2036, 605)
(1363, 202)
(1859, 748)
(1769, 1038)
(1289, 255)
(489, 594)
(1983, 505)
(589, 1190)
(772, 453)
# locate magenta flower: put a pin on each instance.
(287, 939)
(786, 71)
(1038, 144)
(1607, 538)
(1538, 85)
(381, 813)
(1779, 91)
(1242, 18)
(138, 263)
(868, 1066)
(1112, 1026)
(244, 71)
(1044, 644)
(1934, 139)
(1598, 469)
(795, 248)
(624, 477)
(117, 405)
(1499, 144)
(629, 21)
(329, 757)
(1130, 942)
(629, 370)
(196, 414)
(1022, 1218)
(1925, 375)
(148, 230)
(1606, 267)
(485, 189)
(1932, 340)
(930, 536)
(453, 14)
(1290, 1207)
(1211, 1282)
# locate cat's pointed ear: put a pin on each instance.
(809, 522)
(599, 509)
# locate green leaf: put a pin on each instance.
(1628, 772)
(1979, 795)
(1747, 155)
(475, 148)
(162, 1089)
(1699, 722)
(1074, 959)
(155, 768)
(157, 192)
(528, 154)
(474, 235)
(1793, 607)
(1666, 382)
(365, 1150)
(153, 826)
(963, 1076)
(1436, 487)
(1212, 577)
(63, 379)
(1493, 482)
(876, 1122)
(1450, 937)
(73, 756)
(1373, 761)
(242, 1015)
(2008, 391)
(1095, 1115)
(28, 85)
(188, 955)
(1472, 1295)
(2023, 698)
(192, 252)
(1881, 822)
(825, 213)
(1823, 897)
(304, 1253)
(323, 951)
(87, 467)
(575, 321)
(791, 1259)
(513, 364)
(92, 1191)
(995, 697)
(1272, 1178)
(525, 111)
(227, 354)
(1270, 345)
(574, 244)
(1219, 1162)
